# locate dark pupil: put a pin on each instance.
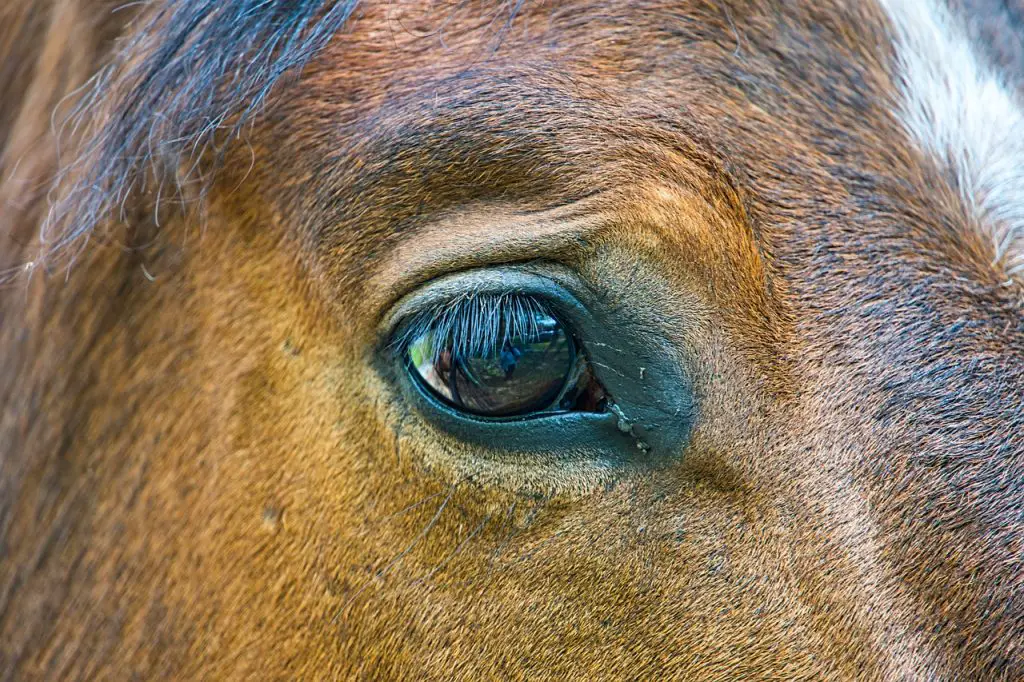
(522, 373)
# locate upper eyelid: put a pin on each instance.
(551, 287)
(480, 239)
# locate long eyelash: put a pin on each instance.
(477, 325)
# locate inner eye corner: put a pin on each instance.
(501, 356)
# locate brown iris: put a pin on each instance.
(521, 372)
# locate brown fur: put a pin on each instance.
(206, 473)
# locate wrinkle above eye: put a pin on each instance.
(476, 238)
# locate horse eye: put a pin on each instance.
(533, 367)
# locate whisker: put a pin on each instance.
(412, 506)
(401, 555)
(454, 552)
(515, 533)
(497, 550)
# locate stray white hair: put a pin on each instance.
(964, 113)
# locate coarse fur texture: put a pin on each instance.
(792, 235)
(966, 113)
(187, 78)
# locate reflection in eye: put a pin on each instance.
(501, 356)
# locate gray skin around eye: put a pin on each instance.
(643, 409)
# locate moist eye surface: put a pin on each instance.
(499, 356)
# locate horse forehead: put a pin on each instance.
(950, 93)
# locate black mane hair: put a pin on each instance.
(186, 77)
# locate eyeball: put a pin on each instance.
(504, 357)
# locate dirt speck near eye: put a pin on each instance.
(290, 348)
(271, 517)
(625, 426)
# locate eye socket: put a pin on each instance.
(501, 356)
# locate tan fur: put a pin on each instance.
(206, 474)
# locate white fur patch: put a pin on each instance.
(959, 108)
